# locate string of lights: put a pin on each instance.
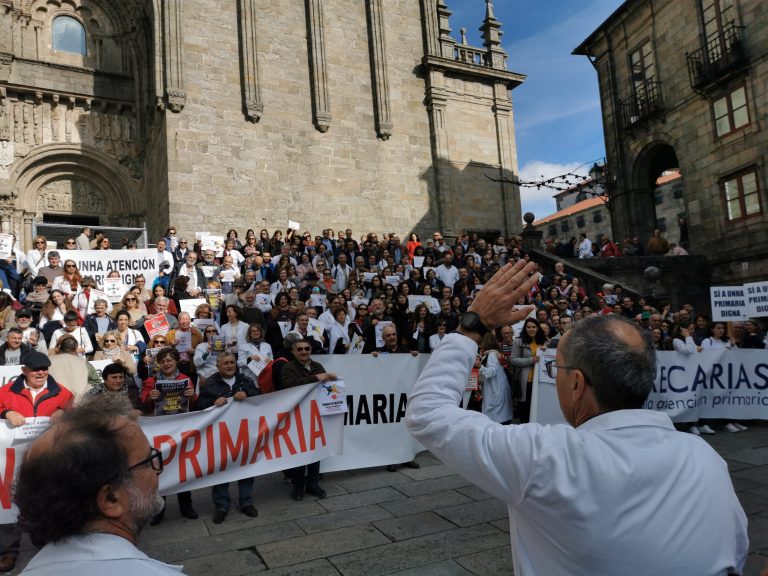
(565, 181)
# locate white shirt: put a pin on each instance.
(79, 334)
(585, 248)
(248, 349)
(96, 555)
(624, 493)
(448, 275)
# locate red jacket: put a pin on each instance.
(15, 397)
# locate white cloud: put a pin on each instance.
(540, 201)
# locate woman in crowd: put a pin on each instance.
(115, 381)
(234, 330)
(375, 288)
(53, 311)
(752, 335)
(7, 311)
(264, 241)
(205, 357)
(111, 350)
(254, 349)
(304, 266)
(250, 248)
(70, 244)
(295, 305)
(422, 328)
(437, 337)
(69, 282)
(129, 339)
(147, 365)
(525, 357)
(701, 329)
(38, 256)
(159, 291)
(717, 340)
(282, 284)
(497, 396)
(413, 243)
(276, 243)
(338, 339)
(232, 235)
(140, 282)
(167, 362)
(130, 305)
(682, 342)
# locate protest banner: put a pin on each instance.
(189, 305)
(156, 324)
(129, 263)
(757, 299)
(377, 390)
(256, 436)
(418, 261)
(728, 303)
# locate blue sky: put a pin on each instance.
(557, 110)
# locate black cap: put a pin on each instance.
(35, 360)
(24, 312)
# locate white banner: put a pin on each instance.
(129, 263)
(257, 436)
(377, 394)
(757, 299)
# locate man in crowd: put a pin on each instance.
(447, 273)
(88, 517)
(83, 241)
(70, 370)
(249, 312)
(161, 307)
(303, 370)
(54, 268)
(29, 335)
(34, 393)
(188, 267)
(302, 329)
(341, 273)
(190, 336)
(613, 476)
(585, 246)
(14, 348)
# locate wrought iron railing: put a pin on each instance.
(644, 103)
(722, 54)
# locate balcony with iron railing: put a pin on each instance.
(644, 103)
(721, 56)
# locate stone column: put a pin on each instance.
(173, 42)
(505, 136)
(321, 106)
(27, 219)
(379, 80)
(254, 107)
(436, 103)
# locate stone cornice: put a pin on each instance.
(511, 79)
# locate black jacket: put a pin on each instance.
(215, 387)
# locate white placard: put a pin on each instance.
(757, 299)
(316, 328)
(293, 225)
(32, 428)
(115, 289)
(189, 305)
(6, 246)
(285, 327)
(418, 261)
(215, 243)
(392, 280)
(129, 263)
(415, 300)
(317, 301)
(208, 271)
(332, 397)
(182, 341)
(256, 366)
(263, 302)
(368, 276)
(728, 303)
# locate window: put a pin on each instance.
(742, 195)
(68, 35)
(731, 112)
(580, 221)
(717, 14)
(553, 230)
(564, 225)
(677, 191)
(661, 224)
(597, 217)
(658, 196)
(641, 66)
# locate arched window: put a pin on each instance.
(68, 35)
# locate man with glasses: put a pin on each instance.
(180, 254)
(188, 268)
(299, 371)
(34, 393)
(617, 490)
(93, 529)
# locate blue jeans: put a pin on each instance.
(221, 494)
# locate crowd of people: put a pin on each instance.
(270, 297)
(604, 247)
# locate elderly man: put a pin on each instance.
(161, 307)
(188, 267)
(34, 393)
(618, 490)
(185, 339)
(91, 530)
(303, 370)
(54, 268)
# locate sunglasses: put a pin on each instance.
(69, 242)
(159, 341)
(110, 341)
(39, 242)
(130, 299)
(302, 349)
(70, 266)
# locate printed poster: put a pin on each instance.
(172, 399)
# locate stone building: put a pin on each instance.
(245, 114)
(683, 86)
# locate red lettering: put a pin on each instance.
(158, 442)
(315, 425)
(189, 453)
(300, 428)
(209, 450)
(6, 482)
(282, 428)
(262, 441)
(227, 447)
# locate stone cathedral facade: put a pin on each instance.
(211, 114)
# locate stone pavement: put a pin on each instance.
(411, 522)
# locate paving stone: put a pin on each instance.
(426, 502)
(343, 518)
(501, 524)
(420, 551)
(757, 456)
(447, 568)
(753, 503)
(735, 465)
(372, 479)
(313, 568)
(320, 545)
(357, 499)
(496, 562)
(426, 472)
(758, 532)
(174, 529)
(475, 512)
(757, 475)
(755, 565)
(474, 492)
(405, 527)
(180, 550)
(276, 510)
(433, 485)
(237, 563)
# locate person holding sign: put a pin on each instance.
(207, 352)
(254, 354)
(167, 362)
(224, 384)
(617, 490)
(30, 395)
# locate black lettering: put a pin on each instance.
(379, 407)
(761, 371)
(363, 412)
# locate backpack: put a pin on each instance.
(266, 383)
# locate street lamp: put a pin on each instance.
(596, 172)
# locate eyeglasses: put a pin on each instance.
(70, 242)
(39, 242)
(552, 368)
(70, 265)
(159, 341)
(211, 331)
(155, 459)
(110, 341)
(130, 299)
(303, 349)
(182, 241)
